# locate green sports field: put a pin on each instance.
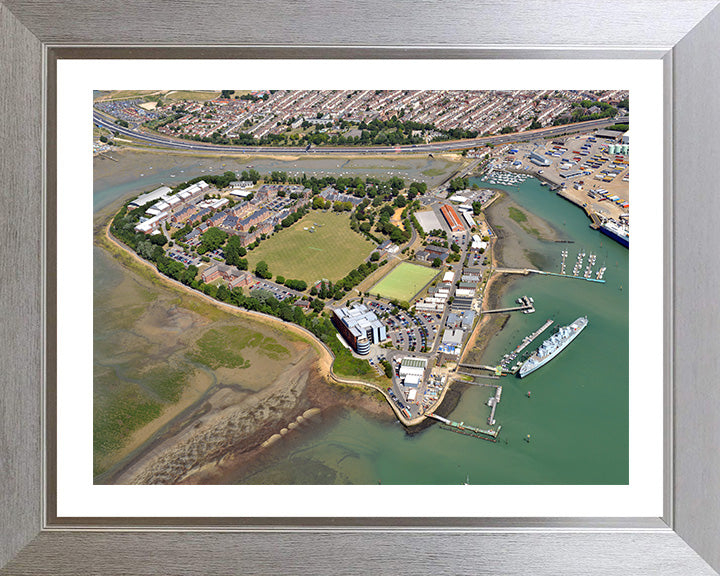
(331, 251)
(404, 281)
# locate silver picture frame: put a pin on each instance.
(684, 34)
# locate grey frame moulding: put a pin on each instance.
(683, 33)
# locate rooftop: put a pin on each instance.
(414, 362)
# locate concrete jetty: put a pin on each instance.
(462, 428)
(494, 401)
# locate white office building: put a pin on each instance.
(360, 327)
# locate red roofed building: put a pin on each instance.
(452, 218)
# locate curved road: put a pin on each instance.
(168, 142)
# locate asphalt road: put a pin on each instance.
(168, 142)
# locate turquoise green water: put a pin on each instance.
(577, 416)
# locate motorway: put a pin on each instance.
(168, 142)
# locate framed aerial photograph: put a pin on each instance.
(366, 295)
(379, 290)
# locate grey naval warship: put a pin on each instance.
(553, 346)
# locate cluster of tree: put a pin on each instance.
(579, 112)
(146, 248)
(253, 98)
(416, 224)
(234, 252)
(327, 290)
(396, 234)
(373, 188)
(458, 184)
(356, 276)
(363, 224)
(149, 247)
(159, 122)
(250, 175)
(416, 189)
(342, 206)
(218, 180)
(277, 177)
(123, 225)
(122, 123)
(211, 239)
(174, 269)
(392, 132)
(262, 270)
(436, 242)
(319, 203)
(477, 207)
(299, 285)
(534, 125)
(354, 186)
(387, 367)
(618, 127)
(226, 93)
(292, 218)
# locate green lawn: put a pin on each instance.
(331, 251)
(404, 281)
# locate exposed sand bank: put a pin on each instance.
(326, 400)
(226, 422)
(509, 249)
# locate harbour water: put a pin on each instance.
(577, 415)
